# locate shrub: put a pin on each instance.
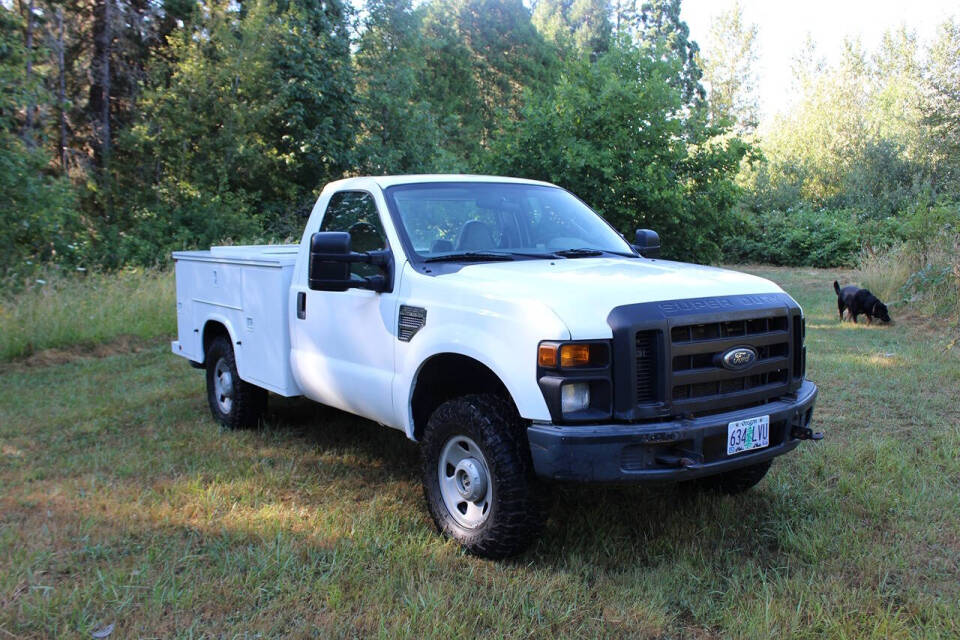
(803, 237)
(923, 267)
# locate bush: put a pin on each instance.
(804, 237)
(923, 267)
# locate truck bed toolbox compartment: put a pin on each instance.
(246, 290)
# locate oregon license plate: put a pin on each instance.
(745, 435)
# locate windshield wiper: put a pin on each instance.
(588, 253)
(578, 253)
(469, 256)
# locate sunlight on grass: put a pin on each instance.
(68, 311)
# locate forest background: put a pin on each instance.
(130, 128)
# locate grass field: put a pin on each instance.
(121, 503)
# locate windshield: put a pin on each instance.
(486, 217)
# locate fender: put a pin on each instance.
(516, 371)
(219, 318)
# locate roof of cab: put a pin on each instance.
(388, 181)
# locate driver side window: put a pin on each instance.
(356, 212)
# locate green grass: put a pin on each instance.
(81, 313)
(121, 502)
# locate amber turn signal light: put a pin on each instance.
(574, 355)
(547, 355)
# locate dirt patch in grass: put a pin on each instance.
(53, 357)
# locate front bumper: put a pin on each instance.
(681, 449)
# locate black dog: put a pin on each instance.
(856, 301)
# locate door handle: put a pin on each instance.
(301, 305)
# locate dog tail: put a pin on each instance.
(836, 287)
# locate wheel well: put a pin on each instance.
(446, 376)
(211, 331)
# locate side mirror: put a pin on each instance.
(330, 260)
(647, 243)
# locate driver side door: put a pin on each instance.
(343, 346)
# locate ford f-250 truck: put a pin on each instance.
(510, 331)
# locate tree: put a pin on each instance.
(38, 221)
(253, 113)
(658, 25)
(729, 61)
(618, 133)
(99, 103)
(941, 103)
(399, 132)
(581, 25)
(482, 55)
(814, 145)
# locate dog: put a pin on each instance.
(856, 301)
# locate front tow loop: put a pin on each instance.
(806, 433)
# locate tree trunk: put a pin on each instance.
(99, 104)
(31, 106)
(61, 92)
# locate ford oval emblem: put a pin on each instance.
(738, 358)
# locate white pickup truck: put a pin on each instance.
(515, 335)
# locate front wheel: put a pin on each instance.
(477, 476)
(234, 403)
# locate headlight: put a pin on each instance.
(574, 397)
(576, 379)
(572, 355)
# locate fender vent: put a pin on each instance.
(411, 320)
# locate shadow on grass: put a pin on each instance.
(611, 527)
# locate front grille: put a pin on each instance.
(667, 356)
(698, 378)
(693, 380)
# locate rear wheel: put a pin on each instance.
(234, 403)
(738, 480)
(478, 478)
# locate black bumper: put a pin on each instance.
(681, 449)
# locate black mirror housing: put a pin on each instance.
(647, 243)
(328, 268)
(330, 259)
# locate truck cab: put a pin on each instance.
(514, 334)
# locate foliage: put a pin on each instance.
(730, 71)
(820, 238)
(185, 123)
(941, 103)
(621, 121)
(481, 55)
(240, 131)
(38, 218)
(839, 237)
(856, 137)
(576, 26)
(400, 133)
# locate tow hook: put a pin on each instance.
(680, 458)
(806, 433)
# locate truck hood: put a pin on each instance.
(583, 291)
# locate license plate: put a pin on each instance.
(745, 435)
